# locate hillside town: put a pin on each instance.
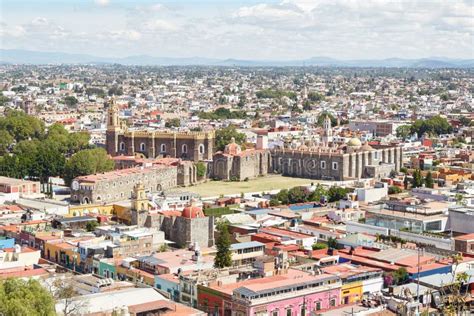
(232, 191)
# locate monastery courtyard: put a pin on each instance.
(257, 185)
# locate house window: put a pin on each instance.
(201, 149)
(332, 302)
(376, 155)
(184, 149)
(122, 146)
(323, 164)
(142, 146)
(163, 148)
(334, 166)
(318, 306)
(275, 313)
(288, 312)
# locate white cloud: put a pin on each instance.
(288, 29)
(102, 3)
(159, 25)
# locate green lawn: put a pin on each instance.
(261, 184)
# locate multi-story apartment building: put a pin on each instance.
(288, 293)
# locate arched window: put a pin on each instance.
(122, 146)
(142, 147)
(163, 148)
(201, 149)
(184, 149)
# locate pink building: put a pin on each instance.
(294, 293)
(22, 187)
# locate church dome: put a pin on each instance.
(303, 147)
(233, 148)
(366, 147)
(354, 142)
(193, 211)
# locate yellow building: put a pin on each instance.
(351, 292)
(81, 210)
(357, 281)
(63, 253)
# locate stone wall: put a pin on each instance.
(121, 187)
(194, 146)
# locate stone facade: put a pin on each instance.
(118, 185)
(235, 164)
(337, 164)
(120, 140)
(184, 231)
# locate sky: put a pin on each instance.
(245, 29)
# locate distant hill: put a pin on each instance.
(17, 56)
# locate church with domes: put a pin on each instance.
(324, 159)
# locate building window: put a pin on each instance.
(163, 148)
(122, 146)
(318, 306)
(184, 149)
(323, 164)
(376, 155)
(332, 302)
(275, 313)
(201, 149)
(335, 166)
(288, 312)
(142, 146)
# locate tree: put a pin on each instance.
(70, 101)
(6, 140)
(115, 90)
(91, 226)
(417, 179)
(319, 246)
(322, 117)
(405, 182)
(78, 141)
(393, 189)
(19, 297)
(225, 135)
(242, 101)
(49, 162)
(429, 180)
(297, 195)
(332, 243)
(88, 161)
(436, 125)
(400, 276)
(282, 196)
(223, 256)
(200, 169)
(21, 126)
(337, 193)
(315, 96)
(465, 121)
(274, 202)
(66, 294)
(318, 193)
(174, 122)
(404, 131)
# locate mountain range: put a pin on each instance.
(17, 56)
